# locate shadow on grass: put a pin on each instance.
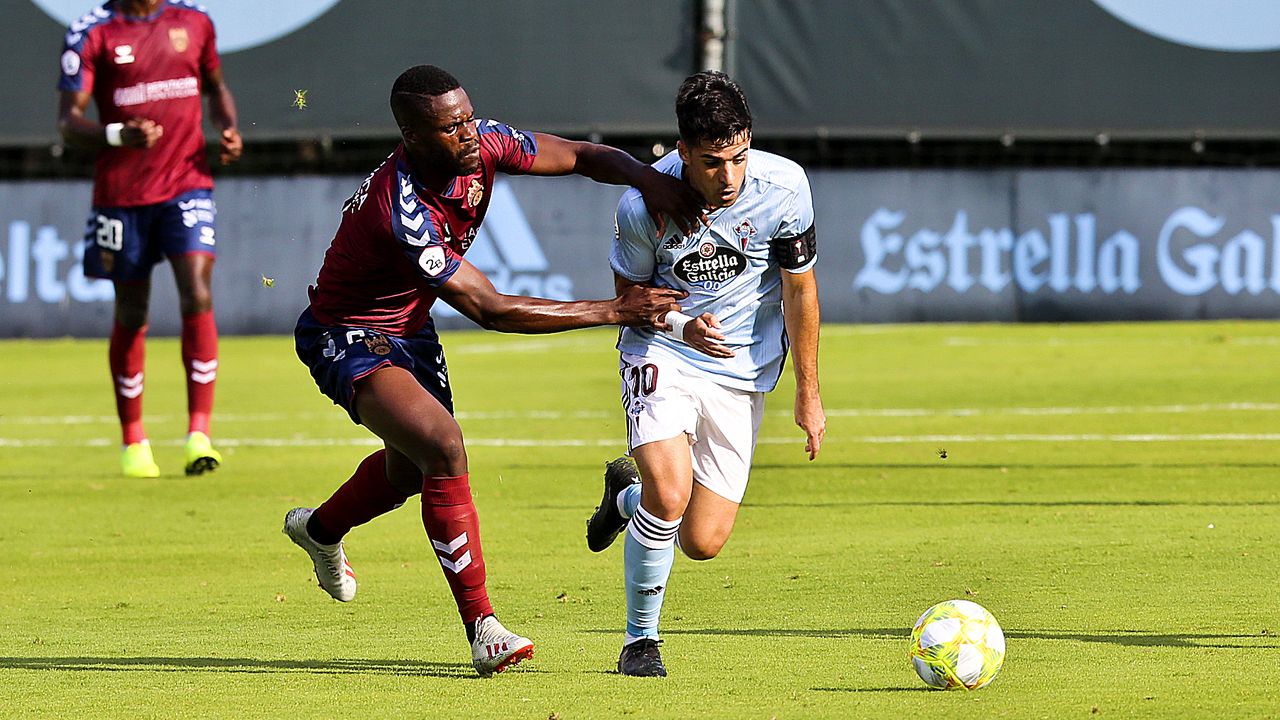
(1129, 638)
(412, 668)
(915, 689)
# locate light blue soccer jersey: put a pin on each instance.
(730, 269)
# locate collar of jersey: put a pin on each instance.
(141, 18)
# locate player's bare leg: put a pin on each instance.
(666, 477)
(394, 406)
(708, 521)
(193, 273)
(127, 359)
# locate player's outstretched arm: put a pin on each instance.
(664, 195)
(222, 109)
(801, 316)
(471, 293)
(701, 333)
(80, 131)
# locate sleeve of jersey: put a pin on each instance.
(795, 246)
(77, 61)
(209, 54)
(515, 151)
(416, 233)
(633, 255)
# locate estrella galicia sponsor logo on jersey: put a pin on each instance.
(711, 266)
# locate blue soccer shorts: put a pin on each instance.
(125, 243)
(340, 355)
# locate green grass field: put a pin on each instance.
(1110, 492)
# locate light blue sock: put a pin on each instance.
(647, 558)
(629, 500)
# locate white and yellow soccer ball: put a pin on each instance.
(957, 644)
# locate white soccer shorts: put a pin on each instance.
(661, 402)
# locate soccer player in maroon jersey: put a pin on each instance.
(372, 348)
(145, 65)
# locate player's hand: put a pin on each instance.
(232, 146)
(813, 420)
(640, 306)
(141, 133)
(668, 196)
(703, 334)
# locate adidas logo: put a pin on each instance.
(507, 251)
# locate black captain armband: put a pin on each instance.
(794, 252)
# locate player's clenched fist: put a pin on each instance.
(703, 334)
(232, 146)
(141, 133)
(645, 306)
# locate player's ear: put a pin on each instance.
(683, 150)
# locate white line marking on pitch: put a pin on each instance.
(1177, 409)
(530, 442)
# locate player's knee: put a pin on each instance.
(701, 548)
(195, 300)
(131, 316)
(443, 455)
(666, 503)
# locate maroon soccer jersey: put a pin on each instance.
(151, 67)
(399, 242)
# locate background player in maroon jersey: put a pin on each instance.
(145, 64)
(372, 347)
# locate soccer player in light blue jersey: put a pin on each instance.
(693, 390)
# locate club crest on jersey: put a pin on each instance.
(124, 54)
(178, 39)
(745, 231)
(378, 344)
(475, 193)
(711, 266)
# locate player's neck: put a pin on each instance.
(427, 174)
(138, 8)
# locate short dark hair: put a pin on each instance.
(711, 109)
(417, 84)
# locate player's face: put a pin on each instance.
(445, 133)
(717, 171)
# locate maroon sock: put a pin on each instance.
(449, 515)
(126, 356)
(200, 359)
(362, 498)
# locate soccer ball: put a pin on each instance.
(957, 644)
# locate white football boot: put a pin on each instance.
(496, 648)
(332, 569)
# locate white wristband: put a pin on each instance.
(677, 321)
(113, 134)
